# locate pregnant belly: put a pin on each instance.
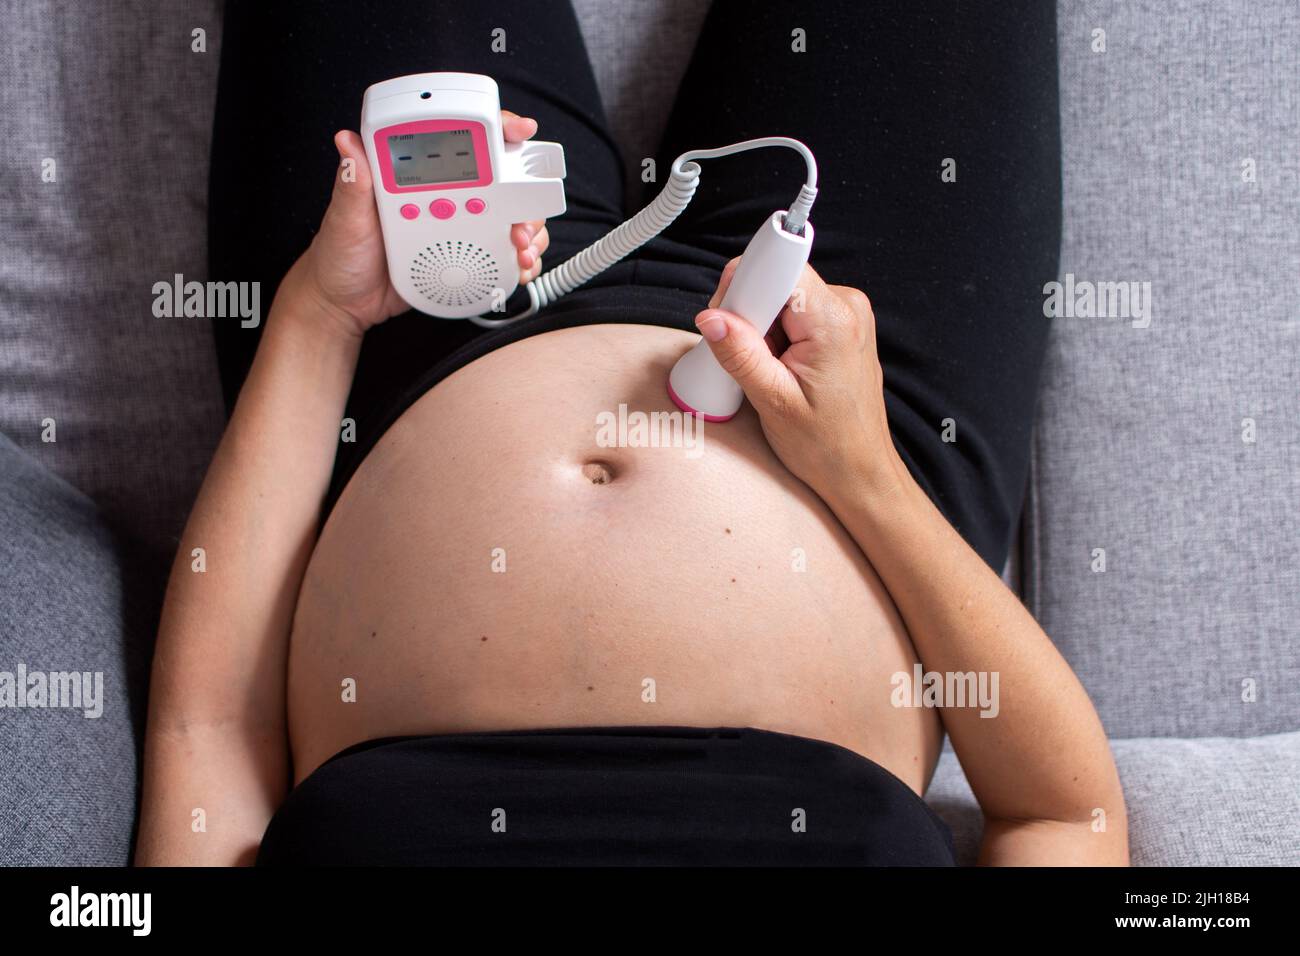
(517, 552)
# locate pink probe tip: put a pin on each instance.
(686, 408)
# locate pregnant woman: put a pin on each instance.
(438, 621)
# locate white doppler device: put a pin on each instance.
(449, 188)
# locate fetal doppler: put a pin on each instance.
(449, 187)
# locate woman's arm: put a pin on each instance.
(217, 739)
(1042, 767)
(217, 762)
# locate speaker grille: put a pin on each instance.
(455, 273)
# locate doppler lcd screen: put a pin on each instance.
(423, 159)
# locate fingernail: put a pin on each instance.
(529, 119)
(712, 327)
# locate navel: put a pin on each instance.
(598, 472)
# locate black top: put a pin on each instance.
(605, 796)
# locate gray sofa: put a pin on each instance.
(1188, 640)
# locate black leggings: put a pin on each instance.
(888, 96)
(604, 796)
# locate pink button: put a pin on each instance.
(475, 206)
(442, 208)
(410, 211)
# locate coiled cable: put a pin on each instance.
(683, 179)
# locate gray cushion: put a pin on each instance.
(1139, 445)
(639, 55)
(1208, 802)
(114, 95)
(67, 781)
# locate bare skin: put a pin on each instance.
(721, 578)
(606, 583)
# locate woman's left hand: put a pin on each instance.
(815, 381)
(345, 270)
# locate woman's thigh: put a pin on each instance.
(936, 130)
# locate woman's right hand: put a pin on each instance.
(815, 382)
(345, 271)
